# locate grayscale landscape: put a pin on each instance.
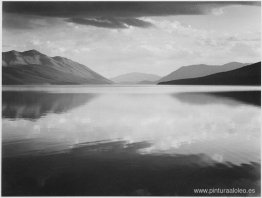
(131, 98)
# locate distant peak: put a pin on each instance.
(135, 73)
(198, 65)
(12, 52)
(231, 63)
(32, 52)
(195, 65)
(59, 58)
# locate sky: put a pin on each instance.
(114, 38)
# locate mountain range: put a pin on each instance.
(136, 78)
(245, 75)
(194, 71)
(33, 67)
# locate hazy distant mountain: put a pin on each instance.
(147, 82)
(136, 78)
(33, 67)
(247, 75)
(201, 70)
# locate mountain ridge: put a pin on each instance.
(33, 67)
(246, 75)
(200, 70)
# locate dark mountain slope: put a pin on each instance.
(247, 75)
(33, 67)
(195, 71)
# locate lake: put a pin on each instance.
(130, 140)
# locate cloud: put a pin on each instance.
(243, 49)
(111, 22)
(26, 22)
(119, 9)
(12, 21)
(114, 14)
(174, 41)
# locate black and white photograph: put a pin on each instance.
(131, 98)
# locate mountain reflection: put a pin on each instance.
(169, 125)
(228, 98)
(129, 144)
(33, 105)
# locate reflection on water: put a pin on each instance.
(130, 144)
(248, 97)
(33, 105)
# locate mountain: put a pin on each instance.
(201, 70)
(33, 67)
(136, 78)
(247, 75)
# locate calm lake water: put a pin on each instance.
(140, 140)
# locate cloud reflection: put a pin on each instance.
(167, 123)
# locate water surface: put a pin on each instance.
(141, 140)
